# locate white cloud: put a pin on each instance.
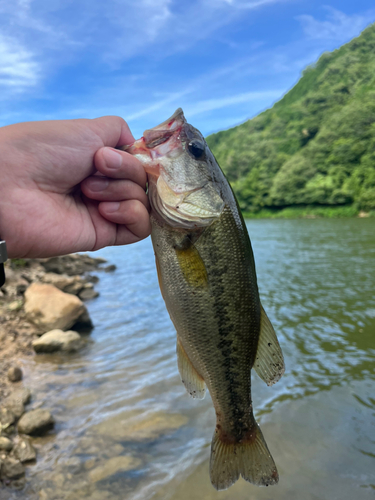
(18, 69)
(212, 104)
(338, 26)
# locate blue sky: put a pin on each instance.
(222, 61)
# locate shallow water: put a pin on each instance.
(126, 429)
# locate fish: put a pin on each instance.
(207, 277)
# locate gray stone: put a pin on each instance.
(92, 278)
(15, 406)
(22, 395)
(71, 264)
(57, 340)
(75, 287)
(49, 308)
(15, 374)
(36, 422)
(88, 294)
(24, 451)
(5, 444)
(7, 418)
(12, 468)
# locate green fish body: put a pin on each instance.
(208, 280)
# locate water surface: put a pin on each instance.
(126, 428)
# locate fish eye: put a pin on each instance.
(197, 149)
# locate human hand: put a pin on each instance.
(64, 189)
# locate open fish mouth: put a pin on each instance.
(162, 140)
(180, 193)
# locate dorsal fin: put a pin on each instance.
(269, 360)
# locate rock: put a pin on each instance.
(91, 278)
(36, 422)
(22, 395)
(73, 465)
(71, 264)
(7, 418)
(14, 374)
(5, 444)
(49, 308)
(134, 426)
(12, 468)
(24, 450)
(58, 340)
(59, 480)
(21, 286)
(110, 268)
(16, 305)
(68, 284)
(112, 466)
(84, 322)
(15, 406)
(88, 293)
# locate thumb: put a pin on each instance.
(112, 130)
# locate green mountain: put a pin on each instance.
(316, 146)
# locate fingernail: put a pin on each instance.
(112, 206)
(98, 184)
(112, 158)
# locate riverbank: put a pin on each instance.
(308, 212)
(39, 295)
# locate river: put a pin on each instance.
(126, 428)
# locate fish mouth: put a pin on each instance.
(159, 141)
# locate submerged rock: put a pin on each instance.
(58, 340)
(12, 468)
(134, 426)
(24, 451)
(36, 422)
(113, 466)
(49, 308)
(110, 268)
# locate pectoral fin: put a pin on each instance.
(269, 360)
(193, 382)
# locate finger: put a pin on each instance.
(131, 213)
(112, 130)
(120, 165)
(105, 189)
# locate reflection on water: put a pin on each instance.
(126, 427)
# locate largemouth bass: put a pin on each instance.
(207, 278)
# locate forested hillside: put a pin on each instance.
(316, 146)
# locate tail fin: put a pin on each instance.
(249, 458)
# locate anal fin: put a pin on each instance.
(269, 360)
(193, 382)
